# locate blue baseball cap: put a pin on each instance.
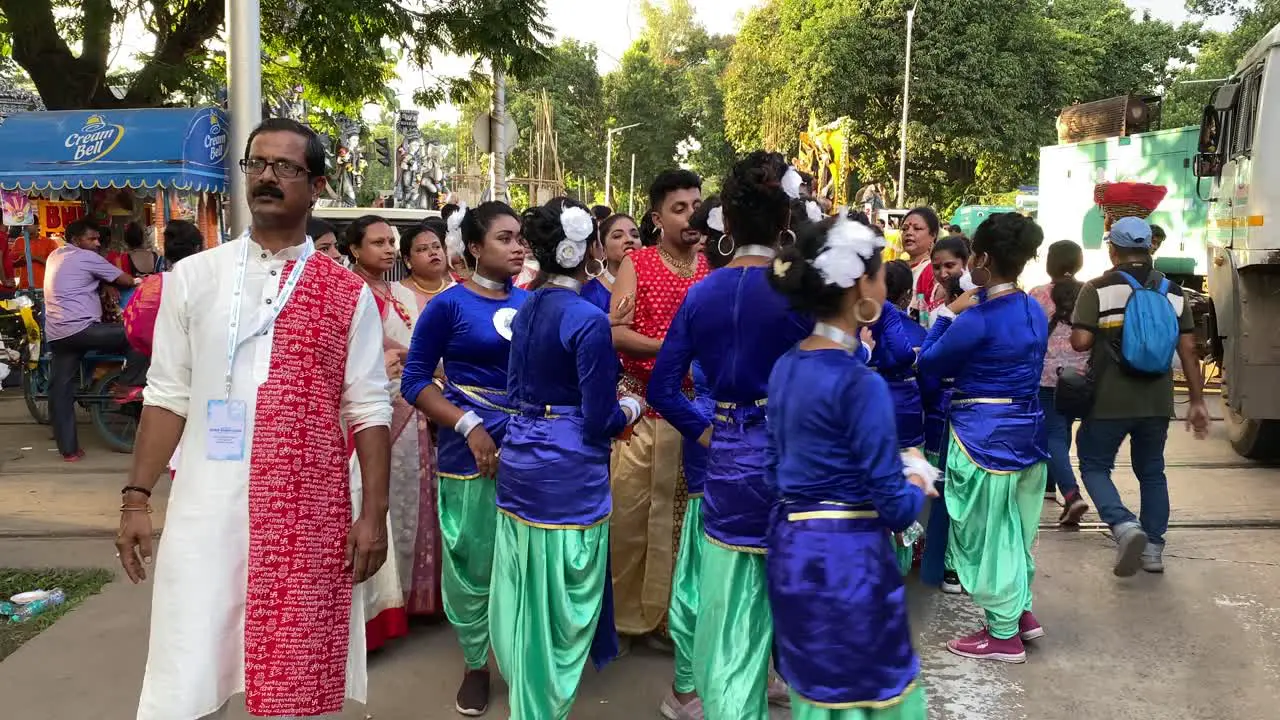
(1130, 232)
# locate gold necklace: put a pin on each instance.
(443, 284)
(684, 269)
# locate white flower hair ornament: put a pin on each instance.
(791, 182)
(453, 233)
(844, 257)
(715, 219)
(813, 210)
(578, 226)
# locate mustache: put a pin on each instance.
(270, 191)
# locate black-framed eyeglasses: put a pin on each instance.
(283, 169)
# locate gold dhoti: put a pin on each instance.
(647, 478)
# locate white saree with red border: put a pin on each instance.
(251, 593)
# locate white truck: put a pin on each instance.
(1238, 167)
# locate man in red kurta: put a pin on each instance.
(648, 487)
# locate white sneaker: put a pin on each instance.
(1153, 558)
(951, 583)
(1131, 542)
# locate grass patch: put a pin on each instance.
(77, 584)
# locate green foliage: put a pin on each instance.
(671, 80)
(575, 92)
(76, 584)
(1219, 54)
(342, 50)
(989, 77)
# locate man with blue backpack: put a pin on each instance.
(1133, 320)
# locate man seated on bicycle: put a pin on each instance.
(74, 326)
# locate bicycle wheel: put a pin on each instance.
(116, 423)
(35, 390)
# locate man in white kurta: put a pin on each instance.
(253, 589)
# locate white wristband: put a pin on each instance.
(468, 422)
(912, 465)
(630, 408)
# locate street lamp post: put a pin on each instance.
(608, 160)
(906, 108)
(244, 96)
(631, 194)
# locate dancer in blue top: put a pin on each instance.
(992, 340)
(550, 565)
(735, 326)
(468, 327)
(897, 339)
(841, 632)
(618, 237)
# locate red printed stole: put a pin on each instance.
(298, 606)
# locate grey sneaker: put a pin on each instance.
(1131, 541)
(1153, 558)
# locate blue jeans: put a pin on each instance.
(1057, 429)
(1097, 444)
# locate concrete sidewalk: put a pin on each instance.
(1199, 643)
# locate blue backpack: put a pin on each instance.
(1150, 333)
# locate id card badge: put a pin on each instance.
(226, 430)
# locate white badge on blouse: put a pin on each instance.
(226, 419)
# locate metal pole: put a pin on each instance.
(906, 108)
(244, 86)
(631, 192)
(608, 166)
(497, 133)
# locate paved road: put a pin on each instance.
(1200, 642)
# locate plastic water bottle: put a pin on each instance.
(912, 534)
(25, 612)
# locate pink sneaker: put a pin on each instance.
(1029, 627)
(982, 646)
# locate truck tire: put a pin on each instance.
(1253, 439)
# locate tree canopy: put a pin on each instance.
(989, 77)
(344, 53)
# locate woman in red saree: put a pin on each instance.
(415, 536)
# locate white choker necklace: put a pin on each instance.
(838, 336)
(565, 282)
(609, 277)
(1002, 287)
(486, 283)
(760, 251)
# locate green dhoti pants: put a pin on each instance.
(468, 515)
(548, 590)
(910, 706)
(994, 520)
(734, 636)
(683, 613)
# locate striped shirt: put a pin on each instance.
(1100, 310)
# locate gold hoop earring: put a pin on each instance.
(597, 273)
(973, 275)
(790, 235)
(720, 245)
(866, 318)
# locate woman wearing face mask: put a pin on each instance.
(992, 340)
(423, 252)
(551, 556)
(735, 327)
(1058, 299)
(919, 232)
(841, 630)
(619, 237)
(468, 326)
(370, 243)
